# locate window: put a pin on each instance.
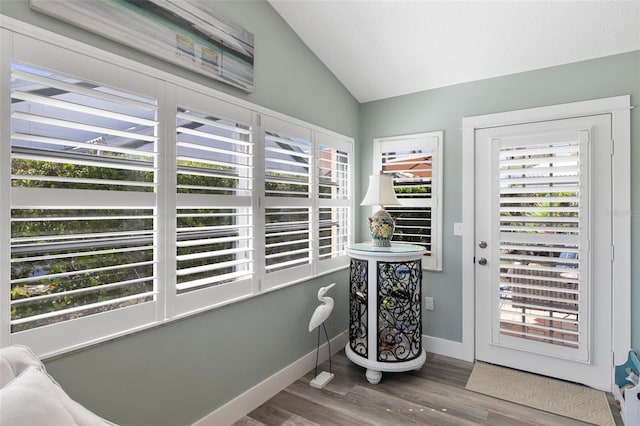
(288, 200)
(83, 225)
(334, 199)
(415, 162)
(135, 200)
(214, 192)
(307, 201)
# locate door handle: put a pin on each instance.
(482, 261)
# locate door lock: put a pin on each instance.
(482, 261)
(483, 244)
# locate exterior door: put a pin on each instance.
(543, 248)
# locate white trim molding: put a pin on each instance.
(438, 346)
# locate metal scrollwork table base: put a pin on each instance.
(385, 317)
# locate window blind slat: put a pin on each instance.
(137, 298)
(72, 125)
(211, 137)
(100, 288)
(288, 264)
(202, 242)
(209, 122)
(284, 141)
(82, 145)
(213, 280)
(84, 271)
(140, 167)
(77, 88)
(229, 152)
(212, 267)
(71, 106)
(208, 254)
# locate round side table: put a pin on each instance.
(385, 319)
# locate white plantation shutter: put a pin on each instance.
(214, 186)
(288, 151)
(543, 192)
(130, 200)
(83, 198)
(334, 173)
(415, 161)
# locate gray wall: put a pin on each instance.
(180, 372)
(443, 109)
(177, 373)
(289, 78)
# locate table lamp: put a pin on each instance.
(381, 193)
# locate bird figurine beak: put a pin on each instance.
(323, 290)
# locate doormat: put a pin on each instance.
(555, 396)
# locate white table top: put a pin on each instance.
(396, 248)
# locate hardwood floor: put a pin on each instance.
(435, 395)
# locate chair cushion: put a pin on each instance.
(14, 360)
(30, 396)
(32, 399)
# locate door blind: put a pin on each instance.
(83, 178)
(542, 197)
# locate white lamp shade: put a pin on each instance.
(380, 192)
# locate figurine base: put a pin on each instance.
(321, 380)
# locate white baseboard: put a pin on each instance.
(245, 403)
(443, 347)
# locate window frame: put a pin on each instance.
(23, 43)
(428, 140)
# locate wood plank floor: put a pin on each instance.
(434, 395)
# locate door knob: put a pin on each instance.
(482, 261)
(483, 244)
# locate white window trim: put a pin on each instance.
(433, 140)
(165, 308)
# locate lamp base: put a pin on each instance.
(380, 243)
(381, 226)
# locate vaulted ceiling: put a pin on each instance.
(384, 48)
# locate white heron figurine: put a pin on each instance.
(319, 316)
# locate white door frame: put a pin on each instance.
(619, 107)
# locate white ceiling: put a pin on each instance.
(384, 48)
